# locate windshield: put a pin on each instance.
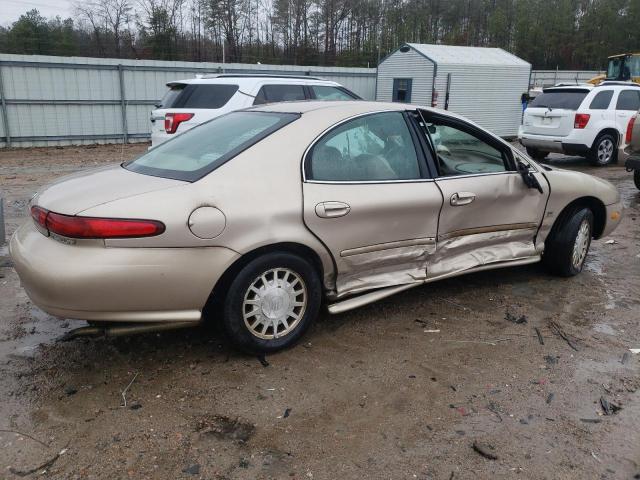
(563, 99)
(199, 151)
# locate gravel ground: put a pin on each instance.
(439, 382)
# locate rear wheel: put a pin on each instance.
(271, 303)
(636, 178)
(603, 152)
(568, 243)
(537, 154)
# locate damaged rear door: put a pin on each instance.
(369, 199)
(489, 214)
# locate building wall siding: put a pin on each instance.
(406, 65)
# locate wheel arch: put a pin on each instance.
(592, 203)
(218, 294)
(612, 130)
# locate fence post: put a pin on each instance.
(123, 105)
(5, 115)
(3, 237)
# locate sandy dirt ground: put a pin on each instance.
(400, 389)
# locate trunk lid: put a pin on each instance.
(73, 194)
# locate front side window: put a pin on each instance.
(602, 100)
(462, 153)
(376, 147)
(323, 92)
(279, 93)
(202, 149)
(402, 90)
(628, 100)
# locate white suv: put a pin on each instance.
(580, 120)
(193, 101)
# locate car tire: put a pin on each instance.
(636, 178)
(271, 303)
(604, 151)
(537, 154)
(568, 242)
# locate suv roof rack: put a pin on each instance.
(260, 75)
(618, 82)
(574, 84)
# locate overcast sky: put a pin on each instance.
(12, 9)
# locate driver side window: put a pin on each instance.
(461, 153)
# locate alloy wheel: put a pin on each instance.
(274, 303)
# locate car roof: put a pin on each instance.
(246, 80)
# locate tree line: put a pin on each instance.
(564, 34)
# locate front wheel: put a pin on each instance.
(603, 152)
(568, 243)
(271, 303)
(636, 178)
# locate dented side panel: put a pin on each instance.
(386, 235)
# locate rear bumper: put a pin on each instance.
(89, 281)
(557, 145)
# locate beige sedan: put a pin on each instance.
(256, 218)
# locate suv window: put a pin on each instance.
(564, 99)
(279, 93)
(375, 147)
(461, 153)
(602, 100)
(323, 92)
(628, 100)
(198, 96)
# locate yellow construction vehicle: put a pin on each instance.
(622, 68)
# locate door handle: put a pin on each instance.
(462, 198)
(332, 209)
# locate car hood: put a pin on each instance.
(578, 184)
(75, 193)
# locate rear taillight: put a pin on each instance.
(39, 216)
(172, 120)
(581, 120)
(629, 135)
(92, 227)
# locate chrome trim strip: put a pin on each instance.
(367, 182)
(388, 246)
(490, 229)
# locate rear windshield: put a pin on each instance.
(199, 151)
(198, 96)
(564, 99)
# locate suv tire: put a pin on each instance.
(537, 154)
(636, 178)
(271, 303)
(568, 242)
(603, 152)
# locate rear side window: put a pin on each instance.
(199, 151)
(198, 96)
(563, 99)
(322, 92)
(628, 100)
(602, 100)
(371, 148)
(279, 93)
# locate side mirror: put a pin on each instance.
(528, 178)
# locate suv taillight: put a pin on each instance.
(627, 137)
(172, 120)
(581, 120)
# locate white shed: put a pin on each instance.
(483, 84)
